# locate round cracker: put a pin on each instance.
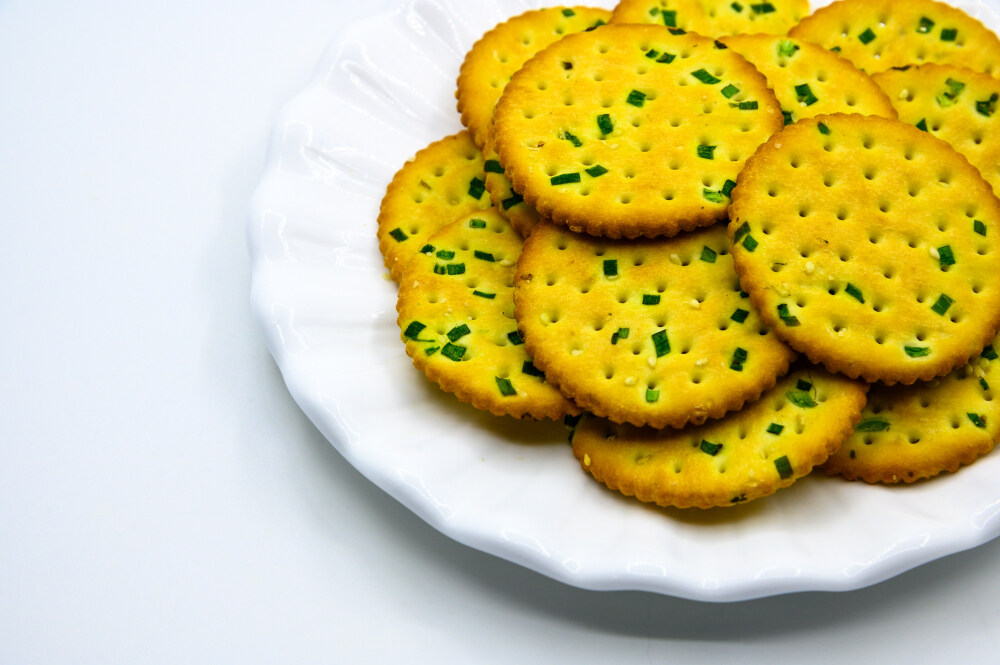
(440, 183)
(919, 431)
(878, 34)
(870, 246)
(500, 52)
(508, 203)
(747, 455)
(639, 136)
(456, 314)
(651, 332)
(954, 104)
(809, 80)
(715, 17)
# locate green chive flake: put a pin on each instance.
(708, 254)
(476, 188)
(413, 330)
(565, 178)
(783, 466)
(922, 125)
(787, 48)
(516, 338)
(762, 8)
(703, 76)
(801, 399)
(477, 224)
(989, 352)
(872, 425)
(917, 351)
(729, 91)
(988, 107)
(666, 58)
(506, 389)
(749, 243)
(706, 151)
(711, 195)
(949, 34)
(710, 448)
(596, 171)
(610, 267)
(925, 25)
(979, 227)
(661, 343)
(950, 96)
(652, 395)
(854, 292)
(946, 256)
(867, 36)
(677, 31)
(650, 299)
(737, 7)
(484, 256)
(427, 249)
(636, 98)
(739, 358)
(977, 419)
(785, 316)
(982, 382)
(669, 18)
(604, 123)
(787, 115)
(727, 188)
(775, 428)
(805, 95)
(511, 202)
(740, 232)
(746, 106)
(458, 332)
(484, 294)
(942, 304)
(740, 315)
(572, 139)
(398, 235)
(453, 351)
(652, 53)
(445, 254)
(492, 166)
(529, 368)
(823, 129)
(802, 384)
(621, 333)
(456, 268)
(568, 12)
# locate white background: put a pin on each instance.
(162, 499)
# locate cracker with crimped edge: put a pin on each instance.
(631, 130)
(747, 455)
(954, 104)
(500, 52)
(878, 34)
(440, 183)
(870, 246)
(809, 80)
(508, 203)
(651, 332)
(714, 18)
(456, 315)
(915, 432)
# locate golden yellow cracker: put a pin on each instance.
(500, 52)
(870, 246)
(809, 80)
(878, 34)
(509, 203)
(954, 104)
(913, 432)
(630, 130)
(651, 332)
(714, 18)
(440, 183)
(746, 455)
(456, 314)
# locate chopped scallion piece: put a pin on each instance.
(805, 95)
(749, 243)
(710, 448)
(610, 267)
(652, 53)
(398, 235)
(706, 151)
(762, 8)
(946, 256)
(783, 466)
(922, 125)
(708, 254)
(427, 249)
(661, 343)
(744, 294)
(431, 350)
(677, 31)
(787, 115)
(978, 227)
(477, 224)
(925, 25)
(484, 294)
(669, 18)
(476, 188)
(739, 357)
(942, 304)
(823, 129)
(453, 351)
(727, 188)
(740, 232)
(737, 7)
(982, 382)
(854, 292)
(729, 91)
(568, 12)
(652, 395)
(516, 338)
(950, 96)
(413, 330)
(917, 351)
(636, 98)
(596, 171)
(492, 166)
(711, 195)
(977, 419)
(529, 368)
(988, 106)
(740, 315)
(872, 425)
(621, 333)
(565, 178)
(775, 428)
(719, 45)
(458, 332)
(787, 317)
(604, 123)
(949, 34)
(989, 352)
(506, 389)
(439, 269)
(456, 268)
(666, 58)
(485, 256)
(867, 36)
(802, 384)
(703, 76)
(572, 139)
(746, 106)
(787, 48)
(650, 299)
(835, 49)
(511, 202)
(445, 254)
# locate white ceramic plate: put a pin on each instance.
(514, 489)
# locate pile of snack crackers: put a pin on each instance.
(726, 242)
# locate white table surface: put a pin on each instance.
(162, 499)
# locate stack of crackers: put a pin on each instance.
(726, 242)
